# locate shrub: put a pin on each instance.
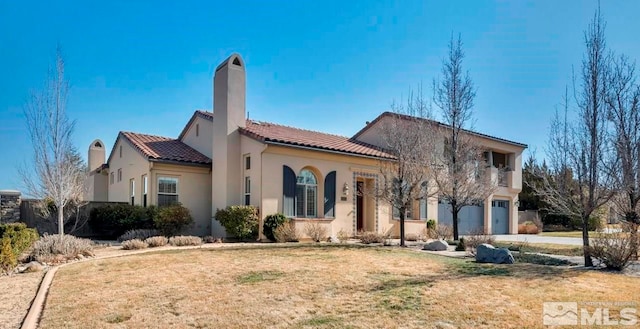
(113, 220)
(171, 219)
(271, 223)
(286, 232)
(528, 227)
(476, 238)
(239, 221)
(411, 237)
(156, 241)
(134, 244)
(371, 237)
(343, 236)
(185, 240)
(8, 259)
(614, 250)
(315, 231)
(19, 237)
(140, 234)
(56, 248)
(461, 246)
(443, 232)
(431, 224)
(211, 239)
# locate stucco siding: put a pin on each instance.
(133, 166)
(199, 136)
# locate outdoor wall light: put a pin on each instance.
(345, 189)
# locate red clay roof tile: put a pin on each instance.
(165, 149)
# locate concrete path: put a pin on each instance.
(538, 239)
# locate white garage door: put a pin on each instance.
(470, 218)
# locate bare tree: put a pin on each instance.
(462, 176)
(578, 152)
(409, 137)
(623, 104)
(54, 175)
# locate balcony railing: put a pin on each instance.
(502, 178)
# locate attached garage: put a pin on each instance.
(470, 218)
(500, 216)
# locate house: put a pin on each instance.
(221, 158)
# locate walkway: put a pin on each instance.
(539, 239)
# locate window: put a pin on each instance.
(119, 174)
(111, 178)
(197, 129)
(132, 190)
(306, 194)
(167, 191)
(120, 151)
(424, 190)
(408, 213)
(247, 190)
(247, 162)
(144, 190)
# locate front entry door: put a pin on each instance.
(359, 206)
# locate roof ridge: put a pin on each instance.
(150, 135)
(296, 128)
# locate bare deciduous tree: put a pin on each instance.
(579, 154)
(54, 176)
(623, 103)
(462, 176)
(410, 138)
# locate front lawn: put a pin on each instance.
(544, 248)
(314, 287)
(568, 234)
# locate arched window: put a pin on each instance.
(306, 194)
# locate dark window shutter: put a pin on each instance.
(288, 191)
(330, 195)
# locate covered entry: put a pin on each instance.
(470, 218)
(500, 217)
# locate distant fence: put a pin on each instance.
(77, 223)
(528, 216)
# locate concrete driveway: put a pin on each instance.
(538, 239)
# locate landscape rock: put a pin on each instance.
(333, 239)
(31, 267)
(486, 253)
(438, 245)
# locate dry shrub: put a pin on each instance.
(528, 227)
(411, 237)
(442, 232)
(185, 240)
(315, 231)
(343, 236)
(371, 237)
(286, 233)
(211, 239)
(614, 250)
(157, 241)
(476, 238)
(56, 248)
(134, 244)
(140, 234)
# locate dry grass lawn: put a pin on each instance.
(315, 287)
(569, 234)
(16, 293)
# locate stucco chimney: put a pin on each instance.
(229, 89)
(96, 155)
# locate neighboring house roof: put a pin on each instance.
(271, 133)
(388, 114)
(198, 113)
(163, 149)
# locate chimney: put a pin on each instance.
(229, 85)
(96, 155)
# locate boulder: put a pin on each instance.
(31, 267)
(438, 245)
(486, 253)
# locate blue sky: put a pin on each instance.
(145, 66)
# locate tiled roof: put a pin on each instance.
(278, 134)
(158, 148)
(404, 116)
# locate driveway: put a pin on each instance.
(538, 239)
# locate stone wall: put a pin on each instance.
(9, 206)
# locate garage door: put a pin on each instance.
(500, 216)
(470, 218)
